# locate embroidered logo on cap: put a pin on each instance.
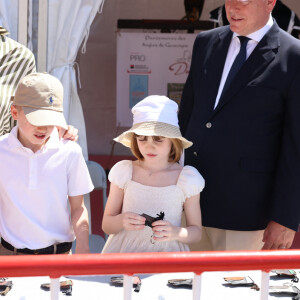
(51, 100)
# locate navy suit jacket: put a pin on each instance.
(248, 148)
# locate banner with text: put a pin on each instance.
(150, 64)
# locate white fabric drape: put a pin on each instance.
(8, 16)
(68, 24)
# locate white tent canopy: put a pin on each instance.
(66, 25)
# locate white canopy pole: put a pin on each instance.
(23, 21)
(42, 36)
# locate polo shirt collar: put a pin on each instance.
(52, 143)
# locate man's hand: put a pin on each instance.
(277, 236)
(70, 134)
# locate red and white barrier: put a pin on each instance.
(128, 264)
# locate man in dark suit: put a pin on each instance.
(246, 132)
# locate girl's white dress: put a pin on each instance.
(150, 200)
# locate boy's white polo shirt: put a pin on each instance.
(34, 189)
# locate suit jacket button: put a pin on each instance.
(208, 125)
(195, 153)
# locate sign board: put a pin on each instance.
(150, 64)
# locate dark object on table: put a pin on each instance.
(287, 274)
(5, 287)
(118, 281)
(298, 293)
(241, 281)
(181, 283)
(65, 287)
(150, 220)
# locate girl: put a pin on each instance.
(155, 184)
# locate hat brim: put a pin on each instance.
(45, 117)
(153, 129)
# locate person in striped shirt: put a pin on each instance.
(17, 61)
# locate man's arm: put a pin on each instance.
(284, 210)
(187, 99)
(186, 105)
(80, 223)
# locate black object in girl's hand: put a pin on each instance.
(150, 220)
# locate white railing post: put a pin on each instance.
(264, 292)
(127, 287)
(54, 288)
(197, 282)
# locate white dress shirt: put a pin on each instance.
(234, 49)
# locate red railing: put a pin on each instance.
(147, 263)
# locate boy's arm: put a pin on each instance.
(80, 223)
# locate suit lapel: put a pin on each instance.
(261, 56)
(213, 73)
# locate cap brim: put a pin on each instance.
(45, 117)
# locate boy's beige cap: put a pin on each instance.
(41, 97)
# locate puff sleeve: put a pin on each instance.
(121, 173)
(190, 181)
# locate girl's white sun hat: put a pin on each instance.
(154, 116)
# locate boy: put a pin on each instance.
(39, 172)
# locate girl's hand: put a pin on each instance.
(132, 221)
(164, 231)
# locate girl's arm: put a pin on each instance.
(80, 223)
(165, 231)
(114, 220)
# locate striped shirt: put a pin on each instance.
(16, 61)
